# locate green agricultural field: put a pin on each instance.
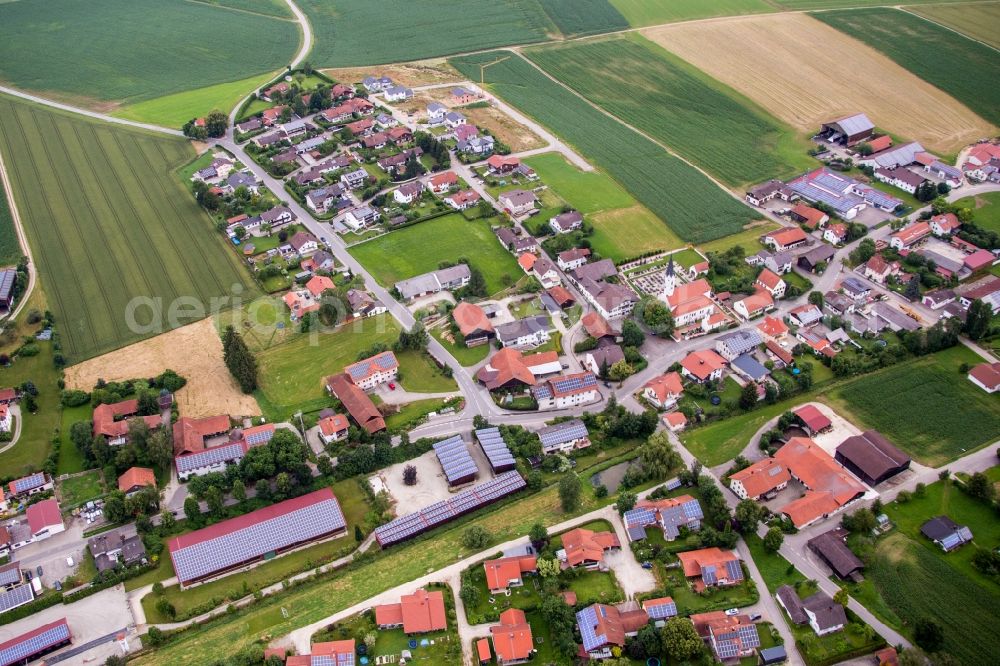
(276, 8)
(691, 204)
(985, 209)
(10, 248)
(837, 4)
(420, 248)
(32, 448)
(584, 17)
(78, 49)
(932, 52)
(654, 12)
(926, 406)
(628, 232)
(111, 225)
(976, 19)
(175, 110)
(345, 29)
(702, 120)
(587, 191)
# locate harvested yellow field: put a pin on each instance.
(977, 20)
(805, 72)
(193, 351)
(411, 74)
(504, 128)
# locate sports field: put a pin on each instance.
(351, 33)
(978, 20)
(584, 17)
(83, 50)
(985, 209)
(931, 52)
(774, 60)
(653, 12)
(926, 407)
(694, 207)
(704, 121)
(175, 110)
(109, 223)
(408, 252)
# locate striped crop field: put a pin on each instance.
(109, 222)
(693, 206)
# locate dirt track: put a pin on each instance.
(805, 73)
(193, 351)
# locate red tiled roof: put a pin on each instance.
(318, 284)
(787, 236)
(136, 476)
(331, 425)
(105, 415)
(597, 326)
(561, 296)
(356, 402)
(702, 363)
(527, 261)
(692, 561)
(665, 385)
(43, 514)
(913, 233)
(674, 419)
(757, 301)
(582, 545)
(444, 178)
(510, 365)
(772, 326)
(880, 143)
(814, 419)
(8, 394)
(501, 571)
(762, 477)
(987, 374)
(419, 612)
(190, 433)
(779, 351)
(830, 485)
(769, 278)
(811, 216)
(500, 161)
(512, 639)
(471, 318)
(483, 649)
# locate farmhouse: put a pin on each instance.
(830, 547)
(190, 433)
(848, 131)
(711, 567)
(703, 365)
(809, 216)
(564, 437)
(518, 202)
(445, 279)
(209, 460)
(368, 373)
(829, 488)
(509, 368)
(566, 391)
(670, 515)
(512, 640)
(586, 548)
(664, 391)
(603, 628)
(522, 333)
(356, 402)
(473, 324)
(846, 196)
(900, 177)
(417, 613)
(762, 480)
(872, 457)
(986, 376)
(896, 156)
(135, 479)
(769, 280)
(572, 259)
(333, 428)
(909, 235)
(729, 637)
(946, 533)
(785, 239)
(236, 543)
(506, 572)
(761, 194)
(112, 421)
(566, 222)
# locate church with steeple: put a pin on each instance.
(690, 303)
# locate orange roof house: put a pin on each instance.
(111, 420)
(763, 478)
(810, 217)
(603, 626)
(356, 402)
(664, 389)
(505, 572)
(701, 365)
(136, 478)
(527, 261)
(783, 239)
(712, 567)
(483, 650)
(986, 376)
(417, 613)
(340, 653)
(676, 421)
(471, 320)
(512, 639)
(190, 434)
(509, 367)
(587, 547)
(829, 486)
(597, 326)
(772, 327)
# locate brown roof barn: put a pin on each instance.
(871, 457)
(830, 547)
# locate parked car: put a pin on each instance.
(69, 561)
(392, 386)
(38, 571)
(58, 586)
(647, 565)
(754, 617)
(733, 611)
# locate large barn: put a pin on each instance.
(848, 131)
(871, 457)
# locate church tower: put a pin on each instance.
(669, 279)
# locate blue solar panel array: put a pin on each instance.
(32, 646)
(728, 645)
(242, 545)
(410, 525)
(455, 460)
(212, 456)
(29, 483)
(573, 383)
(560, 433)
(15, 597)
(342, 659)
(708, 575)
(587, 621)
(662, 611)
(674, 484)
(10, 574)
(734, 570)
(380, 363)
(260, 437)
(495, 449)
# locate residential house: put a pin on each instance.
(506, 165)
(612, 301)
(742, 341)
(528, 332)
(354, 180)
(760, 481)
(111, 421)
(545, 271)
(904, 179)
(835, 233)
(754, 305)
(761, 194)
(750, 368)
(360, 217)
(945, 224)
(602, 357)
(303, 301)
(323, 199)
(772, 328)
(942, 530)
(819, 611)
(572, 259)
(729, 637)
(376, 83)
(769, 280)
(376, 141)
(398, 94)
(878, 270)
(671, 515)
(417, 613)
(586, 548)
(509, 368)
(333, 428)
(604, 628)
(512, 239)
(564, 223)
(304, 243)
(278, 89)
(473, 324)
(407, 193)
(675, 421)
(938, 298)
(363, 304)
(856, 289)
(805, 315)
(463, 199)
(664, 391)
(512, 640)
(838, 304)
(135, 479)
(461, 96)
(703, 365)
(39, 482)
(454, 119)
(504, 573)
(566, 391)
(443, 182)
(369, 373)
(518, 202)
(907, 236)
(711, 567)
(564, 437)
(122, 544)
(475, 145)
(330, 653)
(45, 519)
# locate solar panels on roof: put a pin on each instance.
(259, 437)
(21, 649)
(208, 457)
(673, 484)
(410, 525)
(455, 460)
(254, 540)
(495, 449)
(15, 597)
(572, 383)
(587, 621)
(36, 480)
(708, 574)
(734, 570)
(10, 574)
(661, 611)
(561, 433)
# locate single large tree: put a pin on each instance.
(569, 492)
(680, 640)
(977, 321)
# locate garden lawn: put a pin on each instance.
(422, 247)
(420, 374)
(925, 406)
(584, 17)
(723, 440)
(70, 458)
(111, 227)
(586, 191)
(411, 412)
(699, 118)
(467, 356)
(749, 239)
(691, 204)
(526, 597)
(653, 12)
(932, 52)
(78, 50)
(37, 430)
(78, 489)
(176, 109)
(625, 233)
(418, 29)
(593, 587)
(985, 210)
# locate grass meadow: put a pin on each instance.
(977, 20)
(931, 52)
(653, 12)
(395, 256)
(110, 223)
(78, 49)
(691, 204)
(345, 30)
(584, 17)
(985, 209)
(704, 121)
(175, 110)
(926, 406)
(37, 430)
(10, 249)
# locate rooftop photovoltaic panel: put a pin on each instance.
(708, 574)
(662, 611)
(16, 596)
(495, 448)
(587, 621)
(640, 516)
(455, 459)
(734, 570)
(301, 524)
(29, 483)
(562, 432)
(410, 525)
(568, 384)
(693, 510)
(259, 437)
(673, 484)
(15, 651)
(212, 456)
(10, 573)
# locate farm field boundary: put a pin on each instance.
(978, 20)
(109, 223)
(689, 202)
(773, 60)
